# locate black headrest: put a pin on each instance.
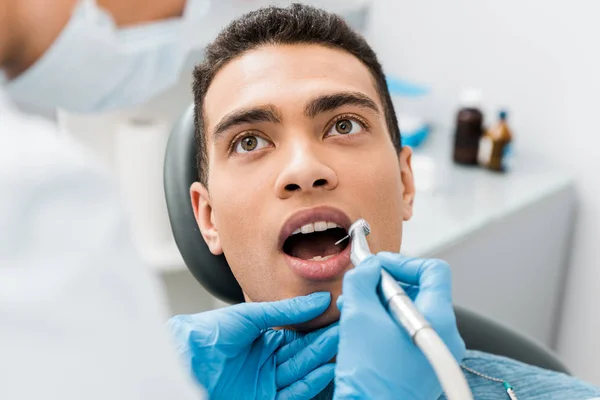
(180, 172)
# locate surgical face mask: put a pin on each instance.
(94, 66)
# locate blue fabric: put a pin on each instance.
(529, 383)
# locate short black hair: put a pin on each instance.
(296, 24)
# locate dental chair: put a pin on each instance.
(214, 274)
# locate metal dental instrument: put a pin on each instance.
(404, 312)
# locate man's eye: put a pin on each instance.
(250, 143)
(346, 126)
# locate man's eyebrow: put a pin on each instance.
(267, 113)
(333, 101)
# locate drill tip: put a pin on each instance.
(342, 239)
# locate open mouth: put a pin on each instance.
(308, 242)
(315, 241)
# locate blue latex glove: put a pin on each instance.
(376, 358)
(232, 352)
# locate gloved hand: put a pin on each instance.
(232, 352)
(376, 358)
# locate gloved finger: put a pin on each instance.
(411, 290)
(320, 350)
(431, 275)
(310, 386)
(293, 342)
(340, 302)
(360, 284)
(284, 312)
(434, 297)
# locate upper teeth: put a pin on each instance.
(318, 226)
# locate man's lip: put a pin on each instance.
(323, 213)
(320, 270)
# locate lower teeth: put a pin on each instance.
(319, 258)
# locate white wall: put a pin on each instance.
(541, 59)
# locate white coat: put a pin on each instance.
(81, 317)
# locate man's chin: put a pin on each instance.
(331, 315)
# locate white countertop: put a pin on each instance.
(455, 201)
(452, 202)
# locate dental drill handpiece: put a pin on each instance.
(394, 298)
(404, 312)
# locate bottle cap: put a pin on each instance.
(502, 115)
(471, 98)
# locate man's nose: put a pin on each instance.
(305, 171)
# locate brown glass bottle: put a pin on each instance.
(495, 147)
(469, 129)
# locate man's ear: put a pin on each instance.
(408, 196)
(203, 213)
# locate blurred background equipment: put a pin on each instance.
(414, 126)
(533, 57)
(469, 128)
(495, 147)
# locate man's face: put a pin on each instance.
(297, 139)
